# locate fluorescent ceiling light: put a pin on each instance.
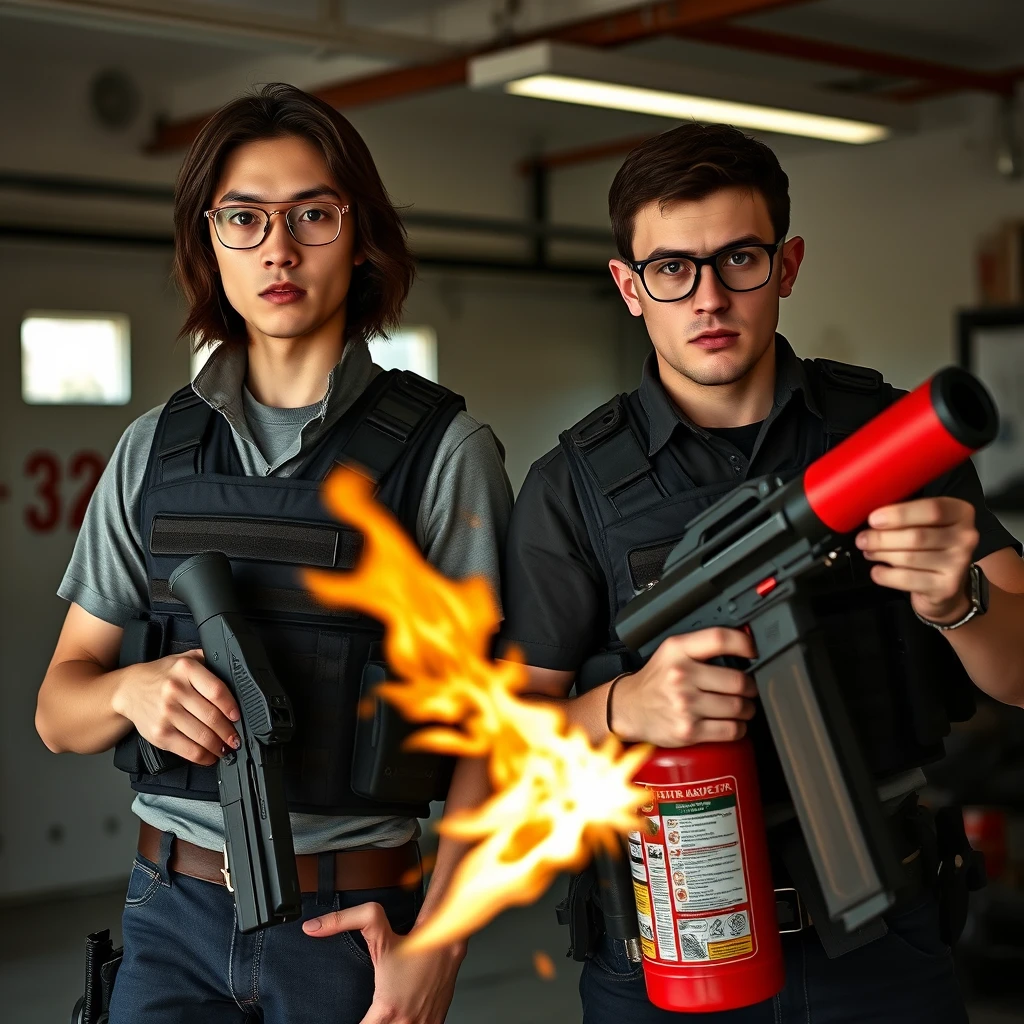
(572, 74)
(682, 107)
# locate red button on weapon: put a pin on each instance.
(766, 586)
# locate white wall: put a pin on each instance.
(531, 357)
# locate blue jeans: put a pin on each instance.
(185, 962)
(905, 977)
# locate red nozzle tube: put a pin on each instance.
(920, 437)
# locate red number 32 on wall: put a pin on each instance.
(45, 468)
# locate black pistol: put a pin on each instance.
(259, 855)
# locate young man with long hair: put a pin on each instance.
(291, 256)
(700, 217)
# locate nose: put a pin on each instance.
(279, 249)
(711, 296)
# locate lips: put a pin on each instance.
(282, 294)
(713, 340)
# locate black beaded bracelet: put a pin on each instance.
(608, 702)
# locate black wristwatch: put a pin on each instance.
(977, 592)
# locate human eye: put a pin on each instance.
(316, 214)
(740, 257)
(240, 218)
(673, 268)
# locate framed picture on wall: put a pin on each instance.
(992, 348)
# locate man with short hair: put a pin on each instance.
(290, 255)
(700, 216)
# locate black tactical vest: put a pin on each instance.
(197, 498)
(901, 680)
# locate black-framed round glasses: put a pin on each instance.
(671, 277)
(245, 226)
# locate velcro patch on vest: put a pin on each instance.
(646, 564)
(259, 540)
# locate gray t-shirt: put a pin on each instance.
(463, 517)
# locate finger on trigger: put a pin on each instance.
(212, 717)
(197, 732)
(213, 690)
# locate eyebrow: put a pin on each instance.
(744, 240)
(316, 192)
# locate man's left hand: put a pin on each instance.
(925, 548)
(409, 988)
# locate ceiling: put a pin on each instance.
(190, 71)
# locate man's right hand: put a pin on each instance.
(677, 700)
(179, 705)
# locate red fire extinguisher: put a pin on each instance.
(702, 881)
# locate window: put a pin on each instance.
(75, 359)
(411, 348)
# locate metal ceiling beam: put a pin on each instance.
(651, 19)
(932, 90)
(945, 76)
(596, 272)
(69, 186)
(326, 33)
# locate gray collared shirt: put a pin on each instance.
(463, 517)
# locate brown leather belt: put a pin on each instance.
(353, 869)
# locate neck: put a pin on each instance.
(289, 373)
(747, 400)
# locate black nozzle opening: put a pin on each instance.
(964, 407)
(205, 586)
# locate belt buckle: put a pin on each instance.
(790, 896)
(226, 871)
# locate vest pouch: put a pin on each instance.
(143, 640)
(381, 769)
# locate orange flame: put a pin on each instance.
(555, 796)
(544, 966)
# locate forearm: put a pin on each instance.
(470, 787)
(75, 708)
(588, 711)
(991, 647)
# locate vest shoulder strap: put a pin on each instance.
(611, 446)
(177, 446)
(398, 408)
(849, 396)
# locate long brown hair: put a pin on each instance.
(379, 285)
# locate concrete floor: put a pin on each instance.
(41, 966)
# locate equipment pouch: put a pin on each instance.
(143, 640)
(381, 769)
(580, 912)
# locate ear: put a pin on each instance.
(792, 257)
(626, 282)
(358, 258)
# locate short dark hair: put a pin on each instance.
(379, 285)
(691, 162)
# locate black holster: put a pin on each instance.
(579, 910)
(960, 871)
(101, 964)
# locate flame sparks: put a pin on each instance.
(555, 796)
(544, 966)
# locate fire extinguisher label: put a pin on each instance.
(693, 863)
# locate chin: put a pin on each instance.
(714, 368)
(286, 325)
